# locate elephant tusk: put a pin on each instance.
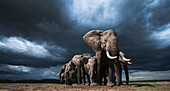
(110, 57)
(126, 59)
(129, 62)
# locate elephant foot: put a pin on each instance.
(110, 84)
(100, 83)
(78, 84)
(93, 84)
(87, 84)
(121, 83)
(105, 83)
(83, 84)
(68, 84)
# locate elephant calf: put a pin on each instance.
(90, 70)
(79, 61)
(70, 73)
(67, 71)
(61, 73)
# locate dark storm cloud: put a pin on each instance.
(35, 21)
(19, 72)
(20, 59)
(141, 19)
(57, 26)
(33, 12)
(135, 23)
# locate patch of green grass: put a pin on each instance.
(153, 88)
(150, 83)
(147, 88)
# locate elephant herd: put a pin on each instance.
(92, 70)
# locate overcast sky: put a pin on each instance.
(38, 36)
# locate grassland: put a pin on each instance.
(135, 86)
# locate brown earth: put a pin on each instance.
(165, 86)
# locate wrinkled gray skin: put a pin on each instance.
(70, 73)
(90, 70)
(79, 61)
(100, 42)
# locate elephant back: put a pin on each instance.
(92, 38)
(76, 59)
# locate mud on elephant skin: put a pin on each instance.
(106, 46)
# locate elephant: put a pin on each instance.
(124, 61)
(90, 70)
(70, 73)
(79, 61)
(61, 73)
(105, 45)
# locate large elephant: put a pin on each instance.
(90, 70)
(79, 61)
(105, 44)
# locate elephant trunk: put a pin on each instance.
(110, 57)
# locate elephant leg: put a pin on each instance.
(66, 81)
(88, 80)
(110, 73)
(105, 71)
(98, 76)
(61, 79)
(105, 80)
(83, 76)
(70, 82)
(66, 78)
(126, 73)
(118, 70)
(78, 75)
(114, 77)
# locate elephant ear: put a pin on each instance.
(85, 57)
(92, 38)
